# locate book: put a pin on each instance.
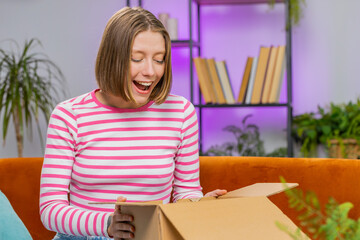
(278, 76)
(225, 81)
(245, 80)
(216, 81)
(202, 80)
(209, 81)
(260, 74)
(269, 75)
(251, 81)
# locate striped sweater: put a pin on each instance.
(96, 153)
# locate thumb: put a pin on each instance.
(117, 206)
(121, 199)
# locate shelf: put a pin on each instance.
(240, 105)
(218, 2)
(201, 107)
(184, 43)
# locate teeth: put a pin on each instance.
(144, 83)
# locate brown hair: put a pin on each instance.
(114, 55)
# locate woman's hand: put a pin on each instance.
(120, 226)
(216, 193)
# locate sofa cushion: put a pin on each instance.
(11, 226)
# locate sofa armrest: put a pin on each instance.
(20, 182)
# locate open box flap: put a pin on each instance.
(259, 189)
(145, 219)
(233, 218)
(167, 229)
(149, 221)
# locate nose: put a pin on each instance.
(148, 69)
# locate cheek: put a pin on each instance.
(160, 71)
(133, 70)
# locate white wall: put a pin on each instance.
(70, 32)
(325, 51)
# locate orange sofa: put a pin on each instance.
(340, 178)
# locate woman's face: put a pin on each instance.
(147, 64)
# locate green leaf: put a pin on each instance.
(29, 84)
(334, 224)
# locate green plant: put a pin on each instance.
(306, 130)
(247, 142)
(338, 121)
(295, 11)
(329, 223)
(29, 83)
(344, 120)
(278, 152)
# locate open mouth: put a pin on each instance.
(143, 86)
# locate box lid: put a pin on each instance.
(234, 218)
(245, 213)
(260, 189)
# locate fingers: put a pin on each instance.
(120, 225)
(124, 230)
(216, 193)
(220, 192)
(119, 217)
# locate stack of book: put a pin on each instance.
(261, 82)
(214, 81)
(263, 76)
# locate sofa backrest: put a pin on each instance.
(337, 178)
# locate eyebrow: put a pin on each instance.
(139, 51)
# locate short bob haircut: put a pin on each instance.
(112, 69)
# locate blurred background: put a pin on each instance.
(325, 50)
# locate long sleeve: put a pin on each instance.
(95, 153)
(55, 211)
(186, 174)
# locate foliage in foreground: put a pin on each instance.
(330, 223)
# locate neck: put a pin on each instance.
(115, 101)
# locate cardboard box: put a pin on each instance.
(245, 213)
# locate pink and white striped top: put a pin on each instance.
(96, 153)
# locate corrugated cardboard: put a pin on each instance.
(245, 213)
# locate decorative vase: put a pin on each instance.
(347, 148)
(172, 28)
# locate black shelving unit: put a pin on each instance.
(139, 3)
(191, 44)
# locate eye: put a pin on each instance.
(159, 61)
(136, 60)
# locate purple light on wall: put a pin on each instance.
(230, 33)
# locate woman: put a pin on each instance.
(129, 140)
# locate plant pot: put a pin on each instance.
(347, 148)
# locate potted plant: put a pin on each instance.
(306, 130)
(337, 127)
(30, 83)
(295, 11)
(247, 142)
(344, 140)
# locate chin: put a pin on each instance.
(141, 100)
